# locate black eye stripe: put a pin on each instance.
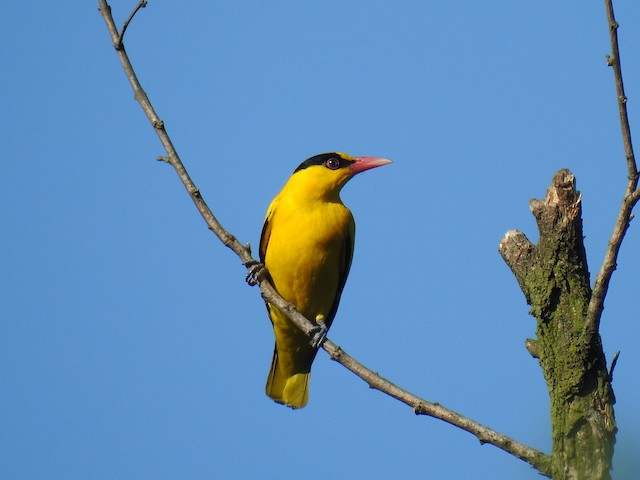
(322, 159)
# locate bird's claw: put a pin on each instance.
(319, 332)
(255, 270)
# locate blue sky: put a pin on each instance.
(130, 346)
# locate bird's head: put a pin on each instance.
(327, 173)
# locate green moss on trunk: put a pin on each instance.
(554, 278)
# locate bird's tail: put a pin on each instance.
(291, 390)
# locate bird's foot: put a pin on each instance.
(255, 272)
(319, 332)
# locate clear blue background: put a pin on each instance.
(130, 346)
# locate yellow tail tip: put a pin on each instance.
(295, 393)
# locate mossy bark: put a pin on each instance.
(554, 278)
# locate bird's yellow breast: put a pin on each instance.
(305, 252)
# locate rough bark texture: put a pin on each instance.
(554, 278)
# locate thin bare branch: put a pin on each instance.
(535, 458)
(632, 193)
(172, 155)
(141, 4)
(614, 62)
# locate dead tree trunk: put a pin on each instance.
(554, 278)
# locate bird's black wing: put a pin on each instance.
(345, 266)
(266, 230)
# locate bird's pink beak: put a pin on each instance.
(365, 163)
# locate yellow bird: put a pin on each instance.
(307, 246)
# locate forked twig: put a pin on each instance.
(141, 4)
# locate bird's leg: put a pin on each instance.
(319, 332)
(255, 272)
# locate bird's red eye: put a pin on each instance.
(332, 163)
